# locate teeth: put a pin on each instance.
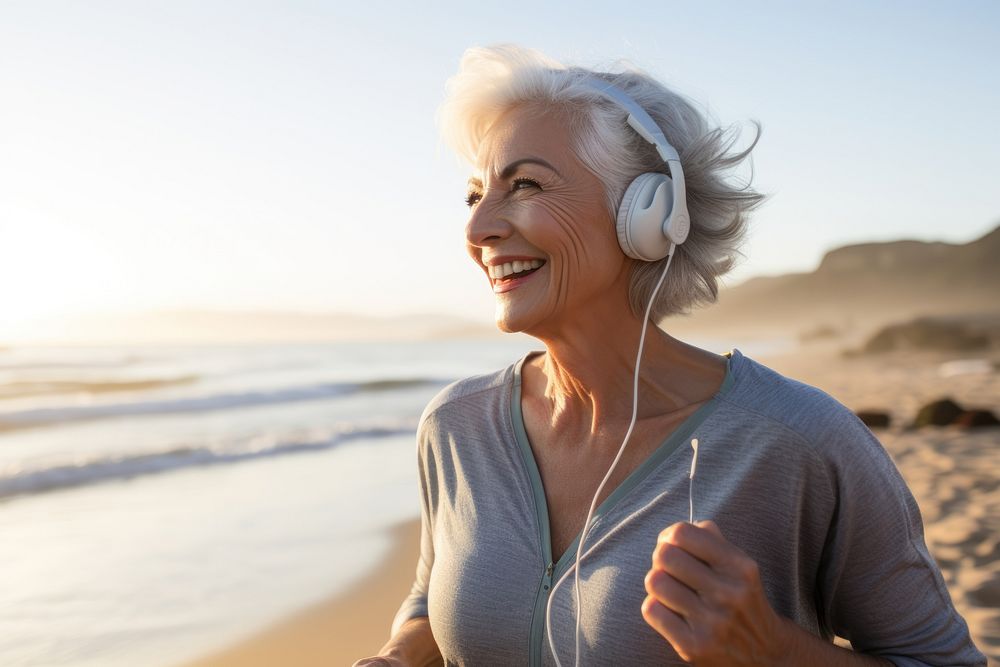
(501, 271)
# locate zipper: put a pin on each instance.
(537, 629)
(554, 570)
(538, 641)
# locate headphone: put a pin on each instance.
(652, 217)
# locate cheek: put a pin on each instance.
(573, 231)
(582, 246)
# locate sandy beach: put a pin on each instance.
(954, 474)
(339, 630)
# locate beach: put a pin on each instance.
(340, 630)
(159, 503)
(954, 474)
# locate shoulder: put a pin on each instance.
(765, 394)
(806, 416)
(480, 392)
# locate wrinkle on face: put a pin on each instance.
(566, 219)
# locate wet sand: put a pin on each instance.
(340, 630)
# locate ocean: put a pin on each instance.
(159, 502)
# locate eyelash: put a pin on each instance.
(518, 181)
(472, 198)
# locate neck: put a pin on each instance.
(587, 373)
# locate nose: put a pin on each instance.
(486, 226)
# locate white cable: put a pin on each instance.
(694, 464)
(593, 503)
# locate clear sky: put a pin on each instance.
(283, 155)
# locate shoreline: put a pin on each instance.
(340, 630)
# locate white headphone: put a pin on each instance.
(653, 216)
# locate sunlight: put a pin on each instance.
(51, 269)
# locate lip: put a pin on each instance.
(502, 286)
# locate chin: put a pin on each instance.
(527, 319)
(511, 322)
(505, 325)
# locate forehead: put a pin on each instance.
(527, 132)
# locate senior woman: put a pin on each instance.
(812, 532)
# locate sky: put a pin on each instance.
(284, 155)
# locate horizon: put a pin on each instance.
(193, 157)
(201, 325)
(220, 326)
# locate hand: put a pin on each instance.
(706, 599)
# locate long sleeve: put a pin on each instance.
(415, 604)
(881, 588)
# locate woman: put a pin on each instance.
(812, 531)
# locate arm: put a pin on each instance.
(705, 597)
(803, 648)
(413, 645)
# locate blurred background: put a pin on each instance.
(232, 272)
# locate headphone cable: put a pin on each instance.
(593, 503)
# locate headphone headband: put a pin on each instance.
(642, 232)
(638, 119)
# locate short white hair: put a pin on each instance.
(494, 80)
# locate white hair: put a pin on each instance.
(494, 80)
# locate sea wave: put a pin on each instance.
(64, 365)
(61, 475)
(26, 388)
(33, 417)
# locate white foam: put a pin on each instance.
(56, 475)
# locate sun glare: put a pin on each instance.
(50, 269)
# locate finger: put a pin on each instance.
(673, 594)
(739, 568)
(671, 626)
(681, 565)
(710, 526)
(704, 543)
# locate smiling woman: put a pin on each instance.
(549, 212)
(580, 208)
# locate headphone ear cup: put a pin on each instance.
(645, 206)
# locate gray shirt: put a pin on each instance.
(791, 477)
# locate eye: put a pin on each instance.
(472, 198)
(523, 184)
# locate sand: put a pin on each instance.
(954, 475)
(340, 630)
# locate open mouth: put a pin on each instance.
(511, 270)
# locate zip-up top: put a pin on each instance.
(769, 447)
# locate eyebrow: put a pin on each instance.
(512, 167)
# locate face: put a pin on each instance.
(539, 227)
